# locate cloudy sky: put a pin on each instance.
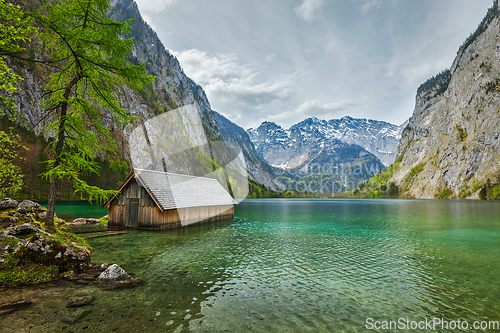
(285, 61)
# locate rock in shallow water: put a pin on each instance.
(82, 220)
(75, 316)
(114, 273)
(7, 308)
(79, 301)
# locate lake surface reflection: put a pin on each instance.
(292, 265)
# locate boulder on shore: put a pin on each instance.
(6, 203)
(44, 249)
(29, 205)
(24, 229)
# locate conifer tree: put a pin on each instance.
(88, 53)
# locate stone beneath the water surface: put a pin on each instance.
(8, 203)
(113, 273)
(75, 316)
(79, 301)
(82, 220)
(7, 308)
(124, 284)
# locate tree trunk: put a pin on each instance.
(51, 205)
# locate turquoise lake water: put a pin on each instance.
(293, 265)
(70, 210)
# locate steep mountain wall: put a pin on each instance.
(451, 146)
(257, 168)
(170, 90)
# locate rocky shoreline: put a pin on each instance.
(30, 254)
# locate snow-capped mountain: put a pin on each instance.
(288, 148)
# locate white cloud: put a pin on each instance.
(155, 5)
(319, 108)
(230, 84)
(315, 108)
(373, 3)
(309, 10)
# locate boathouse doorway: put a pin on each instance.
(131, 212)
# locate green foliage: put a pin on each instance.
(464, 191)
(483, 194)
(88, 54)
(444, 193)
(11, 176)
(462, 133)
(379, 185)
(441, 80)
(13, 273)
(257, 190)
(414, 172)
(15, 29)
(492, 86)
(65, 237)
(393, 190)
(475, 187)
(488, 191)
(496, 191)
(20, 269)
(103, 220)
(490, 15)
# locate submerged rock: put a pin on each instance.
(8, 203)
(124, 284)
(7, 308)
(115, 277)
(79, 301)
(75, 316)
(113, 273)
(82, 220)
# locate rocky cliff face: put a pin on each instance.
(451, 146)
(290, 148)
(171, 89)
(257, 168)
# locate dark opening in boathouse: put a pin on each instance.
(157, 200)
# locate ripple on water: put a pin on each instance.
(307, 265)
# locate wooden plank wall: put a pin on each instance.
(134, 190)
(116, 215)
(152, 218)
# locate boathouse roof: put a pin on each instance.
(173, 191)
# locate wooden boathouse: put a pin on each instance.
(157, 200)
